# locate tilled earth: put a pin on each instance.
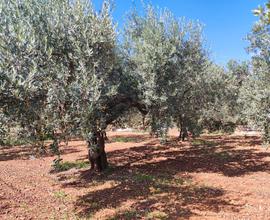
(213, 177)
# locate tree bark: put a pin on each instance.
(184, 133)
(96, 152)
(183, 130)
(143, 121)
(180, 134)
(267, 132)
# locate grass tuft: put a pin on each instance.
(139, 177)
(127, 215)
(60, 194)
(157, 215)
(64, 166)
(124, 139)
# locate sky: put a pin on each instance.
(226, 22)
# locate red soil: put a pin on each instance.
(215, 177)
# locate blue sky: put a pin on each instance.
(227, 22)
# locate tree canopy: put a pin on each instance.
(64, 72)
(255, 93)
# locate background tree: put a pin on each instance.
(221, 111)
(166, 55)
(191, 62)
(255, 98)
(255, 94)
(150, 55)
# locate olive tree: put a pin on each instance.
(222, 110)
(150, 57)
(255, 94)
(255, 98)
(189, 85)
(62, 72)
(217, 110)
(167, 57)
(24, 64)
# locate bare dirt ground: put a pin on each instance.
(213, 177)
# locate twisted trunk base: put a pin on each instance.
(183, 134)
(97, 156)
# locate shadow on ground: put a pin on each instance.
(26, 152)
(147, 193)
(155, 181)
(153, 178)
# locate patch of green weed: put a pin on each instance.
(64, 166)
(124, 139)
(157, 215)
(127, 215)
(60, 194)
(140, 177)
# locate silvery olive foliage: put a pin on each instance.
(167, 56)
(255, 94)
(59, 65)
(189, 85)
(255, 98)
(221, 109)
(214, 88)
(24, 64)
(64, 71)
(150, 55)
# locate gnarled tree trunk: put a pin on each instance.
(184, 133)
(183, 129)
(266, 136)
(96, 151)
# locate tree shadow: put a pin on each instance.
(147, 191)
(177, 197)
(12, 153)
(25, 152)
(223, 156)
(153, 177)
